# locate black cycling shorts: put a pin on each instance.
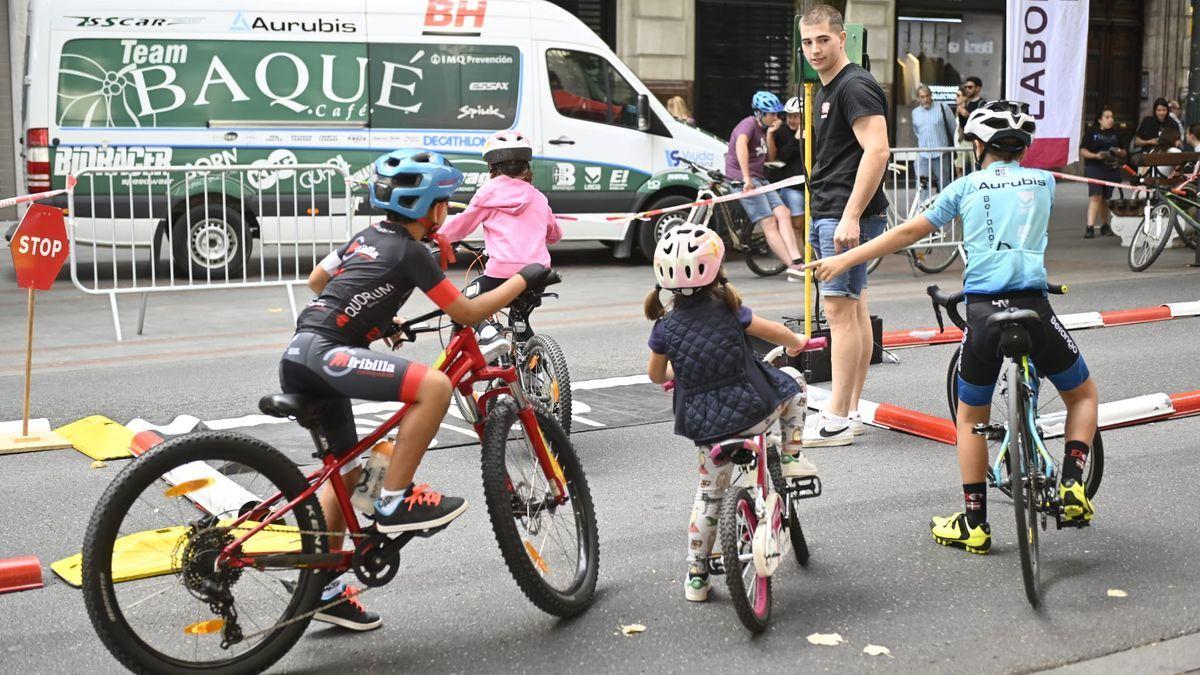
(319, 366)
(1055, 354)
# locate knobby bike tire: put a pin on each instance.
(1024, 491)
(98, 594)
(754, 619)
(1093, 473)
(1140, 237)
(502, 415)
(552, 355)
(795, 530)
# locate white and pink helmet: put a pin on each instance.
(688, 257)
(506, 146)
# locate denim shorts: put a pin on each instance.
(762, 205)
(793, 198)
(851, 283)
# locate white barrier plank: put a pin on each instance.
(1081, 320)
(1184, 308)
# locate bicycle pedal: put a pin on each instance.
(716, 564)
(804, 488)
(992, 432)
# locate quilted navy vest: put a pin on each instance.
(721, 386)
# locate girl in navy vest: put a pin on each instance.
(722, 389)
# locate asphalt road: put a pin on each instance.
(875, 578)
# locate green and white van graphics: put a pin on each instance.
(234, 87)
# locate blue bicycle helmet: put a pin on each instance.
(410, 180)
(766, 102)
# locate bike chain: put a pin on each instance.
(320, 608)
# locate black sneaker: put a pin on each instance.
(1106, 231)
(1090, 234)
(422, 509)
(348, 613)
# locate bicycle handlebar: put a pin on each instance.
(950, 301)
(409, 330)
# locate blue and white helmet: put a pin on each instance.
(766, 102)
(410, 180)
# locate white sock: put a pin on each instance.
(853, 413)
(333, 589)
(392, 498)
(836, 422)
(386, 493)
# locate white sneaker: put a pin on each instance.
(696, 584)
(822, 435)
(797, 466)
(795, 275)
(492, 343)
(856, 423)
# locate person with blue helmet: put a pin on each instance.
(750, 147)
(360, 287)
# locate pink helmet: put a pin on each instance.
(688, 257)
(506, 146)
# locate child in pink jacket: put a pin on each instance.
(517, 221)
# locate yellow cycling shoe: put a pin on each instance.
(954, 531)
(1077, 508)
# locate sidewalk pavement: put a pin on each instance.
(1176, 655)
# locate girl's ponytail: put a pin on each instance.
(653, 306)
(726, 292)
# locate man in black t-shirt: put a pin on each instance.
(972, 89)
(851, 152)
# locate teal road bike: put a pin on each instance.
(1021, 466)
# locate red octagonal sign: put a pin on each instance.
(39, 247)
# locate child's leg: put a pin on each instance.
(973, 460)
(1082, 412)
(791, 414)
(702, 528)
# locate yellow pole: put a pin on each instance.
(808, 252)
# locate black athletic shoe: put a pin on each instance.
(349, 613)
(422, 509)
(1090, 234)
(1106, 231)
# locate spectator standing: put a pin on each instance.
(847, 209)
(933, 127)
(1102, 157)
(679, 110)
(972, 89)
(788, 143)
(1193, 137)
(744, 160)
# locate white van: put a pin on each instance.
(238, 82)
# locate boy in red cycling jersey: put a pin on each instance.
(372, 276)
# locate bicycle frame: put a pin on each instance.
(1046, 462)
(464, 364)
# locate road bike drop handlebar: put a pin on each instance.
(950, 301)
(411, 328)
(813, 345)
(712, 174)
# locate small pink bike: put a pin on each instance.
(759, 522)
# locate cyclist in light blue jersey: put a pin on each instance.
(1005, 211)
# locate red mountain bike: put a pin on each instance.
(208, 553)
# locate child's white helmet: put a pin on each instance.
(688, 257)
(507, 146)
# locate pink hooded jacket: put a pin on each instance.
(517, 225)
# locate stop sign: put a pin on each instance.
(39, 247)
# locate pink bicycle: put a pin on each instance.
(758, 522)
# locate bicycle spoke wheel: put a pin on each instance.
(759, 257)
(551, 549)
(1051, 417)
(795, 531)
(1026, 489)
(1151, 237)
(154, 590)
(873, 265)
(750, 593)
(544, 376)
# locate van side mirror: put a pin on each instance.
(643, 112)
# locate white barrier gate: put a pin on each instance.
(141, 230)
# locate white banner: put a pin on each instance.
(1046, 66)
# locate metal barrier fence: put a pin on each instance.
(140, 230)
(915, 177)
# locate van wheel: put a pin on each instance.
(212, 241)
(653, 229)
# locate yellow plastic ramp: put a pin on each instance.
(98, 437)
(156, 552)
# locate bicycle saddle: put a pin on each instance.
(1017, 342)
(299, 406)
